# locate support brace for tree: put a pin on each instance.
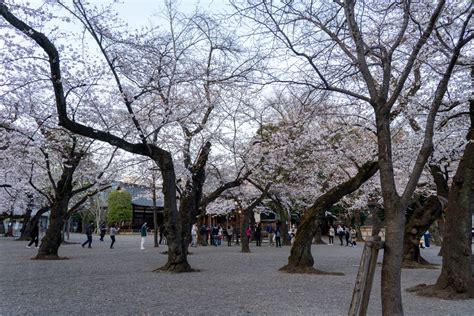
(365, 276)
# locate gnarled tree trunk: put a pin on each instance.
(32, 222)
(456, 279)
(192, 195)
(301, 260)
(50, 243)
(177, 256)
(456, 274)
(418, 223)
(26, 227)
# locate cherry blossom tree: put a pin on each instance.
(179, 92)
(367, 53)
(56, 166)
(314, 156)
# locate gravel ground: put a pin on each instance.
(103, 281)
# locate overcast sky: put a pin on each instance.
(140, 12)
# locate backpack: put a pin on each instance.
(277, 233)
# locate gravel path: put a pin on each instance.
(103, 281)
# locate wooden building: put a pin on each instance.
(142, 205)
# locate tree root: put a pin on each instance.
(447, 293)
(49, 257)
(412, 264)
(176, 268)
(306, 270)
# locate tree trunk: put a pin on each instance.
(50, 243)
(155, 211)
(456, 274)
(456, 280)
(155, 225)
(317, 238)
(26, 227)
(177, 257)
(249, 218)
(418, 223)
(2, 227)
(192, 195)
(392, 259)
(436, 234)
(394, 219)
(186, 208)
(301, 260)
(246, 221)
(284, 233)
(357, 222)
(375, 216)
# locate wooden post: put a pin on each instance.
(365, 277)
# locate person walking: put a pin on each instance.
(103, 230)
(258, 235)
(230, 232)
(220, 235)
(194, 235)
(292, 234)
(331, 235)
(214, 233)
(162, 229)
(340, 233)
(143, 232)
(248, 233)
(278, 237)
(34, 234)
(89, 229)
(203, 233)
(270, 232)
(347, 234)
(353, 234)
(113, 231)
(427, 237)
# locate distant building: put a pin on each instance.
(142, 204)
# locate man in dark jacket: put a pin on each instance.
(89, 235)
(103, 230)
(34, 234)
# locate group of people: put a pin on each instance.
(274, 235)
(215, 234)
(212, 235)
(113, 229)
(349, 234)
